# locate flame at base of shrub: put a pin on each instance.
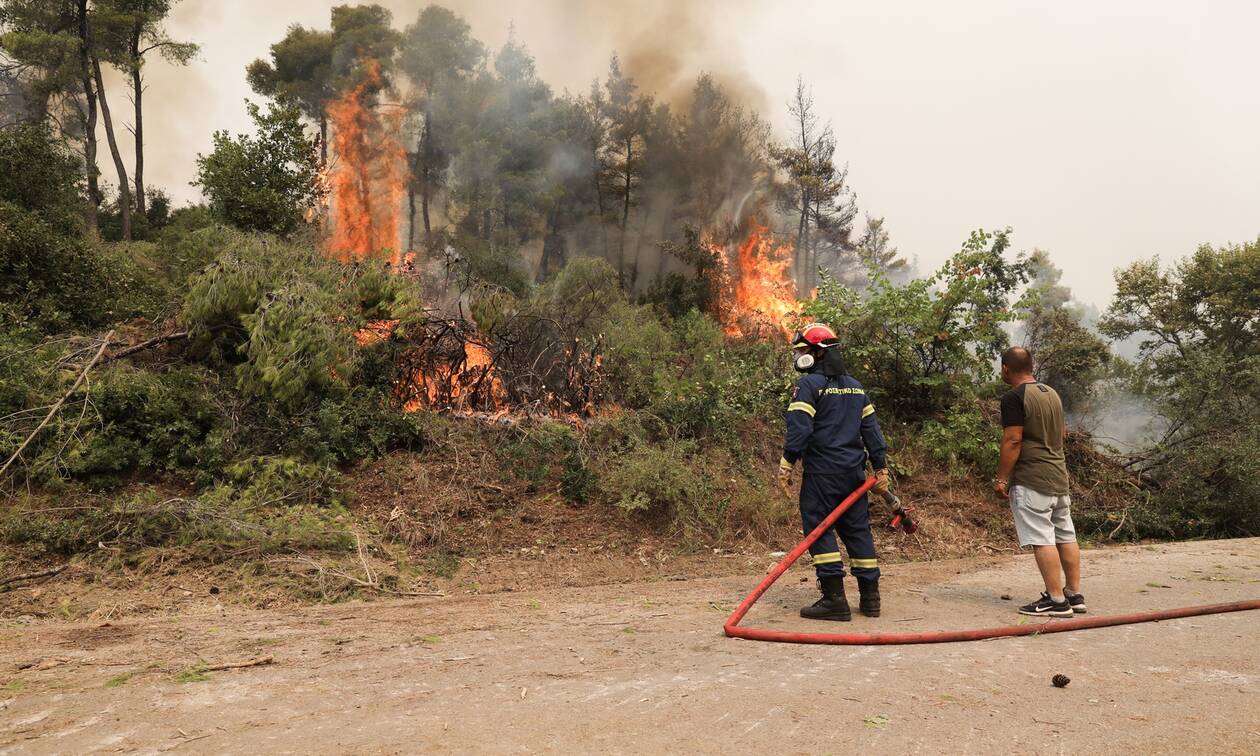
(445, 367)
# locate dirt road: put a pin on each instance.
(644, 668)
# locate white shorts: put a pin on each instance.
(1041, 520)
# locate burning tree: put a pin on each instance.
(368, 173)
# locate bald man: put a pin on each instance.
(1032, 475)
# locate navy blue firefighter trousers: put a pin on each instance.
(822, 493)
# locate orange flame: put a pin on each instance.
(758, 290)
(369, 174)
(475, 378)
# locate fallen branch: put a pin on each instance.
(57, 406)
(146, 344)
(32, 576)
(241, 665)
(322, 570)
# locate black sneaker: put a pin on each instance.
(1077, 600)
(1047, 607)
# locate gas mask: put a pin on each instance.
(804, 362)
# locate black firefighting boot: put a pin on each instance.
(833, 605)
(869, 603)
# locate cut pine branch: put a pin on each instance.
(57, 407)
(32, 576)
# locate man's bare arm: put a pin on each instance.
(1012, 440)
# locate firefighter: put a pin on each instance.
(831, 425)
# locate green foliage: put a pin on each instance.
(551, 452)
(677, 294)
(658, 480)
(362, 423)
(491, 262)
(222, 520)
(278, 311)
(1067, 355)
(268, 480)
(701, 497)
(39, 175)
(294, 349)
(1200, 364)
(688, 376)
(264, 182)
(49, 278)
(146, 226)
(300, 70)
(966, 441)
(145, 420)
(192, 241)
(926, 345)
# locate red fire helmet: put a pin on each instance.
(815, 334)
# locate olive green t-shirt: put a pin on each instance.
(1041, 464)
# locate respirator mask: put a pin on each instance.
(804, 362)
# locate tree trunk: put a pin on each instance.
(137, 93)
(625, 209)
(124, 187)
(411, 215)
(802, 238)
(89, 132)
(426, 173)
(599, 197)
(323, 140)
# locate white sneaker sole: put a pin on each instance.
(1060, 615)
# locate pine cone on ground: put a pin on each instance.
(1060, 681)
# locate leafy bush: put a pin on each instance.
(688, 376)
(295, 349)
(284, 314)
(551, 452)
(923, 346)
(264, 182)
(655, 479)
(362, 423)
(145, 420)
(700, 497)
(966, 441)
(191, 242)
(1199, 362)
(47, 279)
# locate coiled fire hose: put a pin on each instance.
(733, 630)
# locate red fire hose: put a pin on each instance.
(872, 639)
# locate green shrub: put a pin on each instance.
(145, 420)
(700, 497)
(965, 441)
(214, 525)
(923, 346)
(658, 480)
(550, 452)
(688, 376)
(363, 423)
(295, 350)
(192, 242)
(269, 480)
(47, 279)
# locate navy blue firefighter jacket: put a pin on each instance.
(831, 423)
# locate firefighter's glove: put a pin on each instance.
(784, 477)
(881, 486)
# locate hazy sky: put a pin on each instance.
(1104, 132)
